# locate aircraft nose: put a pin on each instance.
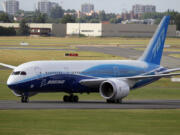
(11, 82)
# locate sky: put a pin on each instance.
(115, 6)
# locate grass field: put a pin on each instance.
(90, 122)
(81, 41)
(85, 122)
(16, 57)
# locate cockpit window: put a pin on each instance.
(16, 73)
(23, 73)
(19, 73)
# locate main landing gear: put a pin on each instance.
(71, 98)
(24, 99)
(114, 101)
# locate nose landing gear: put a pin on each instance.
(71, 98)
(24, 99)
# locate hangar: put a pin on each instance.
(93, 29)
(115, 30)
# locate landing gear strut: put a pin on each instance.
(24, 99)
(70, 98)
(114, 101)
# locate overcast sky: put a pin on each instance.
(116, 6)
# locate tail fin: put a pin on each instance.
(153, 52)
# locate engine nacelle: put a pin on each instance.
(114, 89)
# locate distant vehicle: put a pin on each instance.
(113, 79)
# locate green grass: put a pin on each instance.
(81, 41)
(16, 57)
(90, 122)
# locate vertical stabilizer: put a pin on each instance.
(153, 52)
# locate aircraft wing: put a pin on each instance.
(8, 66)
(98, 81)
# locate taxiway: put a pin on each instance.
(135, 104)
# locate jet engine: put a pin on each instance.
(114, 89)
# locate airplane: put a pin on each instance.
(113, 79)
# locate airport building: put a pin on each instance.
(47, 29)
(93, 29)
(87, 29)
(133, 30)
(11, 7)
(115, 30)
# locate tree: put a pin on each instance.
(24, 28)
(57, 12)
(102, 16)
(177, 21)
(4, 18)
(39, 17)
(115, 20)
(94, 20)
(68, 19)
(7, 31)
(70, 11)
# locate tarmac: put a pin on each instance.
(132, 104)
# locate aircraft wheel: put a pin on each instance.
(119, 101)
(75, 99)
(114, 101)
(71, 98)
(66, 98)
(110, 101)
(24, 99)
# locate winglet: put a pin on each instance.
(153, 52)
